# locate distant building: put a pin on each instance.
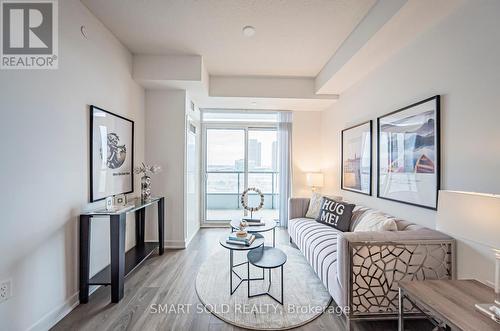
(255, 152)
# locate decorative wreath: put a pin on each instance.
(244, 199)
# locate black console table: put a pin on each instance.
(121, 263)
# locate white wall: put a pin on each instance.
(44, 165)
(306, 149)
(458, 59)
(165, 146)
(166, 122)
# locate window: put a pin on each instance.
(239, 155)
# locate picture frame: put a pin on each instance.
(120, 200)
(356, 158)
(408, 154)
(110, 203)
(111, 154)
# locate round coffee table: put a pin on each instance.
(268, 226)
(267, 258)
(258, 242)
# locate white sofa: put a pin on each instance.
(361, 269)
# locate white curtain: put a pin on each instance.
(285, 163)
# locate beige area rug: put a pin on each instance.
(305, 297)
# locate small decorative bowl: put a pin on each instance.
(241, 234)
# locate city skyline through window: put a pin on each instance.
(225, 150)
(226, 178)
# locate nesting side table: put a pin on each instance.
(258, 242)
(267, 258)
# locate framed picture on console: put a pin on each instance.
(356, 157)
(111, 154)
(408, 144)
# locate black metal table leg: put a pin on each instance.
(117, 231)
(139, 226)
(84, 258)
(269, 258)
(268, 288)
(241, 279)
(282, 287)
(161, 225)
(231, 272)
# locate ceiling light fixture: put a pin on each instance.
(248, 31)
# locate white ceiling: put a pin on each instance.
(294, 37)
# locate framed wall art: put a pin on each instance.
(408, 144)
(111, 154)
(356, 157)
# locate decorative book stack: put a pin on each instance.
(254, 221)
(235, 239)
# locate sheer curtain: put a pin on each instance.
(284, 163)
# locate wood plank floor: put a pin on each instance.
(170, 280)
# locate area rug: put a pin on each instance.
(304, 299)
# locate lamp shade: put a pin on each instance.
(472, 216)
(314, 179)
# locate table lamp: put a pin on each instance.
(314, 180)
(474, 217)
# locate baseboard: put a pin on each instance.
(171, 244)
(53, 317)
(175, 244)
(57, 314)
(188, 241)
(216, 225)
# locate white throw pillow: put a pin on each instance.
(376, 221)
(315, 204)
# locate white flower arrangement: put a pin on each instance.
(244, 199)
(146, 169)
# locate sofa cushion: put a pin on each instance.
(318, 243)
(335, 214)
(315, 204)
(376, 221)
(357, 215)
(407, 226)
(360, 211)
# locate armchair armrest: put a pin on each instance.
(297, 207)
(370, 264)
(393, 236)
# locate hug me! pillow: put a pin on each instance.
(335, 214)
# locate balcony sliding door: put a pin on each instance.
(238, 157)
(263, 169)
(224, 180)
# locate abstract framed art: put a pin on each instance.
(356, 158)
(408, 154)
(111, 154)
